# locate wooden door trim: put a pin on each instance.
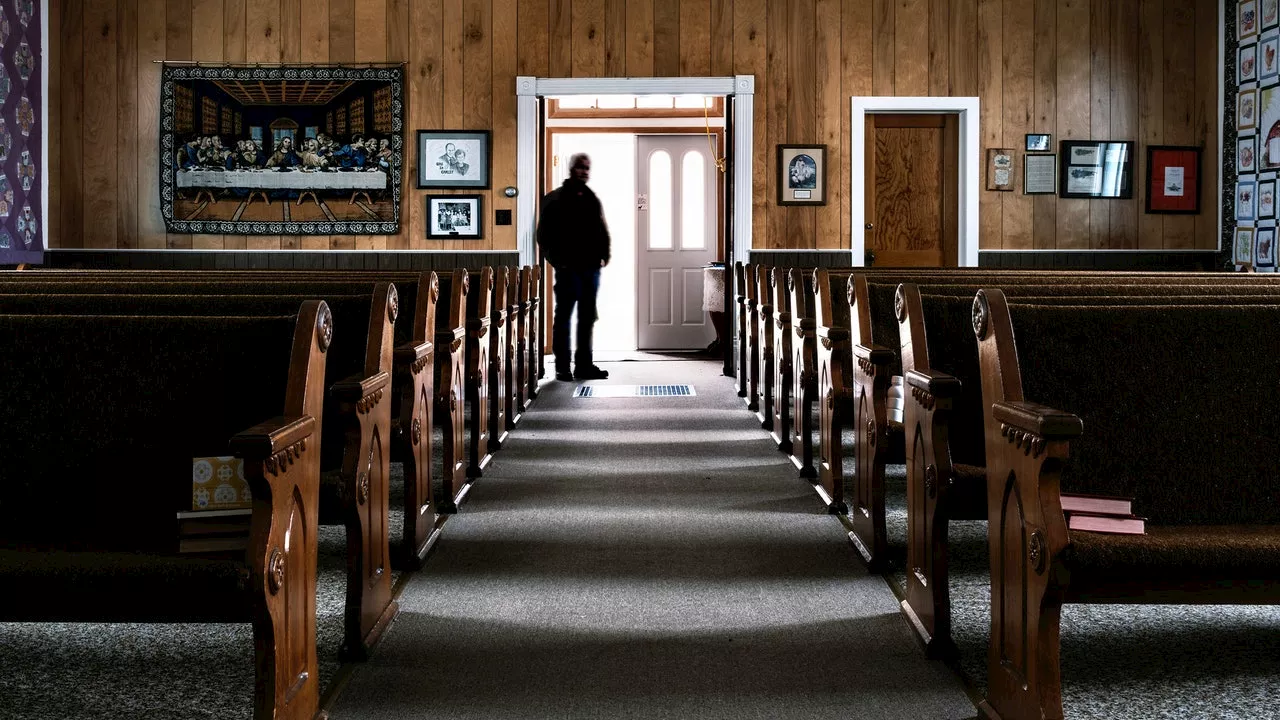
(966, 111)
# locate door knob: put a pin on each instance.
(871, 226)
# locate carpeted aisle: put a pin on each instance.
(649, 558)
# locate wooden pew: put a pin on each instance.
(537, 369)
(451, 373)
(780, 426)
(763, 372)
(354, 459)
(1174, 438)
(499, 339)
(524, 362)
(151, 393)
(748, 334)
(480, 448)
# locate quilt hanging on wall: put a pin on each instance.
(281, 150)
(21, 133)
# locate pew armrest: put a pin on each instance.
(875, 354)
(354, 388)
(1040, 420)
(272, 436)
(413, 353)
(832, 334)
(937, 384)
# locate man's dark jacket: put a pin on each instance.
(572, 232)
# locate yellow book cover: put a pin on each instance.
(217, 483)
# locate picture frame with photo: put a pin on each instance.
(1269, 57)
(1246, 200)
(1243, 252)
(802, 174)
(455, 217)
(1246, 155)
(454, 159)
(1247, 20)
(1038, 142)
(1267, 199)
(1268, 14)
(1264, 247)
(1096, 169)
(1247, 65)
(1246, 109)
(1173, 179)
(1000, 169)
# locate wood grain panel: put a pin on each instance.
(1124, 117)
(1019, 110)
(533, 28)
(398, 51)
(425, 101)
(884, 49)
(911, 48)
(1100, 113)
(773, 103)
(908, 192)
(1179, 101)
(561, 34)
(178, 47)
(313, 32)
(939, 32)
(208, 44)
(342, 49)
(477, 53)
(1150, 108)
(1073, 110)
(126, 176)
(856, 60)
(722, 38)
(750, 50)
(829, 110)
(291, 29)
(151, 47)
(262, 44)
(101, 203)
(801, 107)
(234, 38)
(1045, 207)
(990, 90)
(588, 38)
(371, 46)
(504, 120)
(1208, 77)
(964, 48)
(666, 38)
(640, 38)
(695, 36)
(615, 38)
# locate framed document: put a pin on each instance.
(1173, 178)
(1039, 174)
(1096, 169)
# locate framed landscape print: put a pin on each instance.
(802, 174)
(1096, 169)
(455, 217)
(453, 159)
(1173, 178)
(256, 150)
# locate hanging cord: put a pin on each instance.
(719, 161)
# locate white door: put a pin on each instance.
(675, 237)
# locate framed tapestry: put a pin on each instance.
(286, 168)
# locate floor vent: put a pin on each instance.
(633, 390)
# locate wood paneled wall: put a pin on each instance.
(1145, 70)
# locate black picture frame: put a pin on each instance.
(811, 162)
(440, 227)
(1161, 199)
(1038, 143)
(468, 171)
(1096, 169)
(1031, 161)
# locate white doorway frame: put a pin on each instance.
(529, 89)
(969, 168)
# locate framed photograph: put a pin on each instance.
(453, 159)
(1247, 68)
(1246, 200)
(1246, 109)
(1173, 179)
(1264, 248)
(1269, 14)
(1244, 246)
(802, 174)
(1268, 67)
(1038, 142)
(1039, 174)
(1246, 158)
(1267, 199)
(1000, 169)
(1096, 169)
(1247, 21)
(455, 217)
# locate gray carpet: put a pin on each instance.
(647, 557)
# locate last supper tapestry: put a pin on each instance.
(281, 150)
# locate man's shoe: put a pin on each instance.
(564, 376)
(591, 372)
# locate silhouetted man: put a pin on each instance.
(575, 240)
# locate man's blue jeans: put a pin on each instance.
(574, 287)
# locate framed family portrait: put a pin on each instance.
(453, 159)
(1173, 178)
(802, 174)
(455, 217)
(1096, 169)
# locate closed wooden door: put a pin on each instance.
(912, 190)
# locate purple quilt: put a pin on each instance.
(21, 129)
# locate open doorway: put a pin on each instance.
(613, 130)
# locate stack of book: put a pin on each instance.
(1102, 513)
